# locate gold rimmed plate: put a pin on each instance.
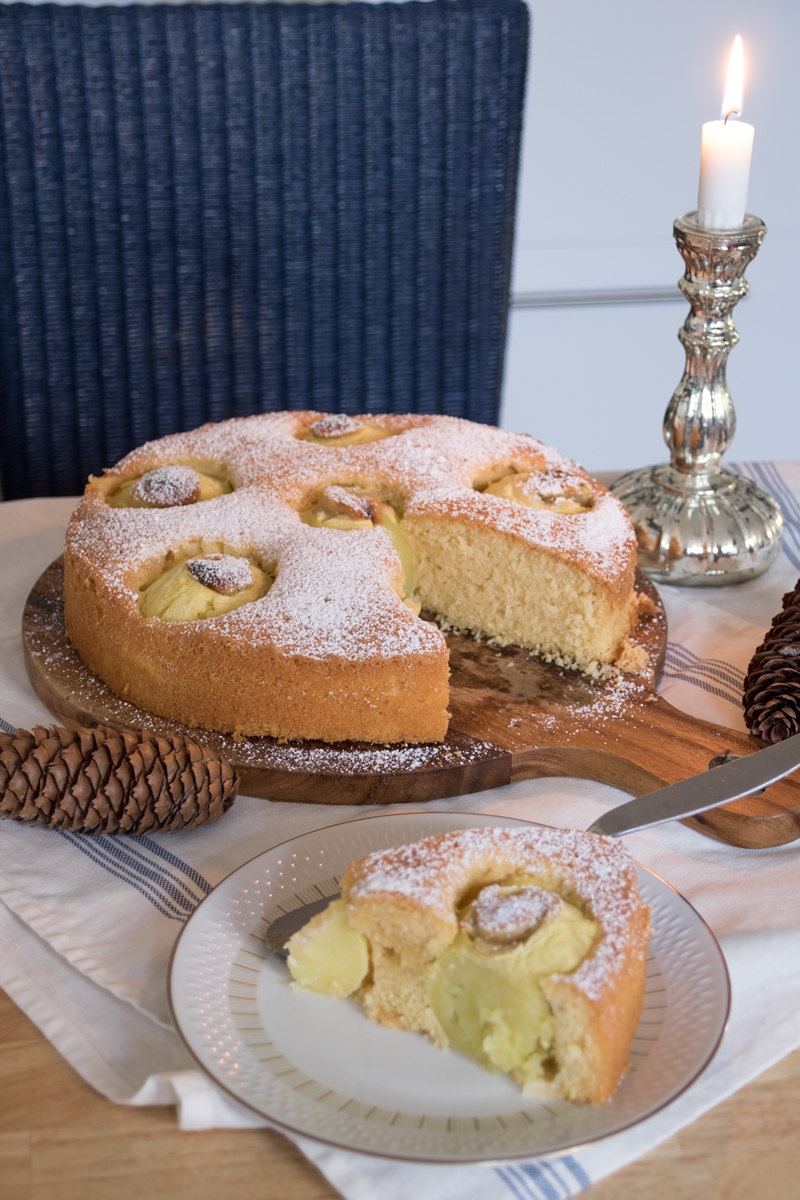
(315, 1066)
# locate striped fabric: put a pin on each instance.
(170, 884)
(769, 476)
(214, 210)
(555, 1179)
(710, 674)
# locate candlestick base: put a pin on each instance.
(700, 530)
(697, 524)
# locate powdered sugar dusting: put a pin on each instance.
(596, 872)
(348, 760)
(351, 504)
(504, 917)
(557, 484)
(335, 425)
(221, 573)
(557, 481)
(167, 486)
(336, 593)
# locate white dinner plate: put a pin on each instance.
(315, 1066)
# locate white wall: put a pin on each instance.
(617, 93)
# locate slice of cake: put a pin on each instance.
(523, 949)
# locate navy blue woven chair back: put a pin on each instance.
(214, 210)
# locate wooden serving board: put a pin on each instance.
(513, 717)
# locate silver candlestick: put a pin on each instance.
(697, 523)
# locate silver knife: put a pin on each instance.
(738, 778)
(741, 777)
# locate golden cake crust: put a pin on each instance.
(331, 651)
(405, 901)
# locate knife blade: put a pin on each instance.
(736, 779)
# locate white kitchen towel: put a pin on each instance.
(86, 925)
(706, 661)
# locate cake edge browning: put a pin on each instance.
(392, 700)
(593, 1037)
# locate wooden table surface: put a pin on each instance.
(60, 1140)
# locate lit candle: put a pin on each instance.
(725, 156)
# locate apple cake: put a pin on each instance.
(264, 575)
(523, 949)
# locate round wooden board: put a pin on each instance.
(514, 716)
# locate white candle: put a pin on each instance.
(725, 156)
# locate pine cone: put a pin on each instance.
(772, 686)
(106, 781)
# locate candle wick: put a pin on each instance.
(733, 113)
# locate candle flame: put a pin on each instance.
(732, 100)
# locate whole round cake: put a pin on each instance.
(265, 575)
